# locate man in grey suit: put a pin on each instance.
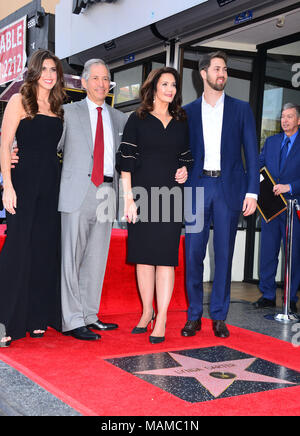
(85, 234)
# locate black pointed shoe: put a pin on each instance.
(82, 333)
(138, 330)
(5, 344)
(156, 339)
(99, 325)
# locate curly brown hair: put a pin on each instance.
(29, 88)
(148, 90)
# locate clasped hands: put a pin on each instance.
(130, 209)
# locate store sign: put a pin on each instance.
(78, 5)
(12, 50)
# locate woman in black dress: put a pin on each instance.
(153, 159)
(29, 297)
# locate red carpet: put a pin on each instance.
(77, 372)
(2, 236)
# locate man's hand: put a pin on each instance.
(14, 157)
(281, 189)
(249, 206)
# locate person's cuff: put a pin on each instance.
(249, 195)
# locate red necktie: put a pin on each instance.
(97, 174)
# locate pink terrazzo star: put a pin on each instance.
(216, 377)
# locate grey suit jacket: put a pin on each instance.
(77, 145)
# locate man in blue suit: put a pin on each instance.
(220, 128)
(281, 155)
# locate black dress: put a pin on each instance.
(153, 153)
(29, 260)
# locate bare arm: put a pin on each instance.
(130, 210)
(12, 116)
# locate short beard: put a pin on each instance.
(215, 86)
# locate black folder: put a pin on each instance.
(269, 205)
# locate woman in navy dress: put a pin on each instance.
(153, 157)
(29, 262)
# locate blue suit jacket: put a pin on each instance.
(238, 132)
(290, 174)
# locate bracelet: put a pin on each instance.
(128, 194)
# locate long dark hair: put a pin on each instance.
(148, 90)
(29, 88)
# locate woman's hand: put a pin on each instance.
(9, 199)
(181, 175)
(130, 210)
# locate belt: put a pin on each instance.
(107, 179)
(212, 173)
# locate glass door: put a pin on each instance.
(281, 85)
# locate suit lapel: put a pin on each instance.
(294, 150)
(199, 127)
(114, 127)
(276, 150)
(226, 125)
(84, 116)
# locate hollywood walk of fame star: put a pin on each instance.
(216, 377)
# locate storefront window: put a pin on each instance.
(238, 85)
(128, 84)
(282, 85)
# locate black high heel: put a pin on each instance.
(36, 335)
(5, 344)
(138, 330)
(156, 339)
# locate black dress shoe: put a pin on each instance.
(82, 333)
(220, 329)
(99, 325)
(191, 327)
(264, 302)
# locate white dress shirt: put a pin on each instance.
(107, 132)
(212, 122)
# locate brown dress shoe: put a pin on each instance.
(220, 329)
(191, 327)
